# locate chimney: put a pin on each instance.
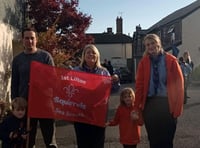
(109, 30)
(119, 23)
(138, 28)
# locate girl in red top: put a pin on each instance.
(129, 129)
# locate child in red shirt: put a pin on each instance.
(129, 129)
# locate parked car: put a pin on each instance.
(124, 74)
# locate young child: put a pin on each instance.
(129, 129)
(13, 128)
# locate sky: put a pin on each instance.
(133, 12)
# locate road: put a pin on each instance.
(187, 134)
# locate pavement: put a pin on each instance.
(187, 134)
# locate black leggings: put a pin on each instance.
(129, 146)
(159, 123)
(89, 136)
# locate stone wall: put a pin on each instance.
(10, 24)
(11, 12)
(6, 37)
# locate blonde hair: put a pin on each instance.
(186, 56)
(125, 91)
(19, 103)
(155, 38)
(94, 48)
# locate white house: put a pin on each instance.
(114, 45)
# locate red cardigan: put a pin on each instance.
(175, 84)
(128, 129)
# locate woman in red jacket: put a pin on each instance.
(159, 92)
(129, 129)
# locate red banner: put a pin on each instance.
(67, 94)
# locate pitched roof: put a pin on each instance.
(179, 14)
(110, 38)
